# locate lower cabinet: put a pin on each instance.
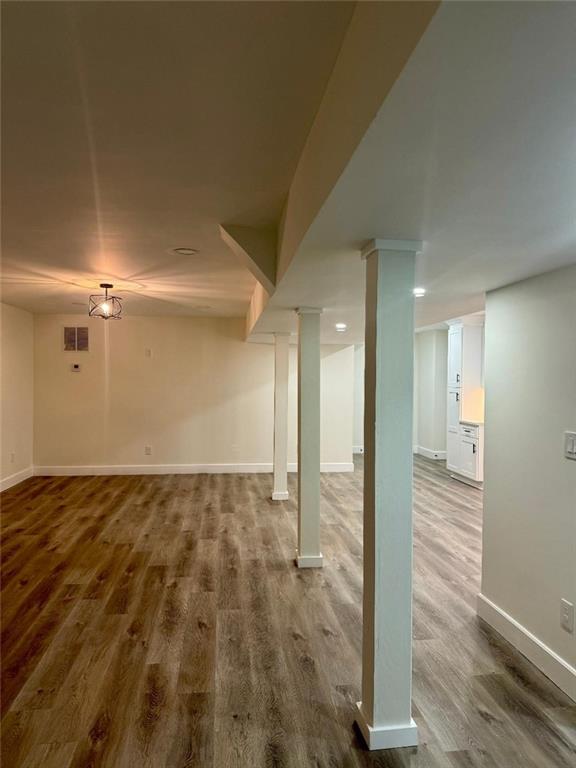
(465, 451)
(469, 457)
(453, 450)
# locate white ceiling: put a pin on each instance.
(473, 152)
(133, 128)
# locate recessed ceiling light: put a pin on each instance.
(341, 327)
(184, 251)
(419, 292)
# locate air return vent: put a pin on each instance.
(75, 339)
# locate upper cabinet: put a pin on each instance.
(454, 356)
(465, 366)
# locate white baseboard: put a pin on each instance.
(151, 469)
(16, 478)
(391, 737)
(176, 469)
(357, 449)
(429, 453)
(342, 466)
(309, 561)
(548, 661)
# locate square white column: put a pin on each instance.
(309, 555)
(384, 714)
(281, 371)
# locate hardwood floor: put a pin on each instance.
(159, 621)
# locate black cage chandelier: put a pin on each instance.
(105, 306)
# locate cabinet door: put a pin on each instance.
(455, 336)
(468, 457)
(453, 451)
(453, 410)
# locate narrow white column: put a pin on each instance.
(308, 554)
(384, 714)
(281, 370)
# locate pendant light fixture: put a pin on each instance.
(105, 306)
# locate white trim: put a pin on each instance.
(343, 466)
(357, 449)
(309, 561)
(280, 495)
(413, 246)
(429, 453)
(478, 484)
(387, 737)
(178, 469)
(547, 660)
(308, 310)
(152, 469)
(16, 478)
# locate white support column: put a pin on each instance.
(281, 370)
(384, 714)
(309, 555)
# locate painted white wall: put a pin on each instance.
(368, 64)
(529, 540)
(430, 392)
(17, 400)
(415, 399)
(204, 397)
(430, 384)
(358, 444)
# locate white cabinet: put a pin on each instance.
(465, 405)
(453, 451)
(453, 434)
(468, 453)
(471, 464)
(455, 333)
(453, 410)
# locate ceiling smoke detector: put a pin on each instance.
(184, 251)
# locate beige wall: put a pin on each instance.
(203, 397)
(529, 542)
(431, 391)
(430, 385)
(16, 359)
(368, 64)
(358, 433)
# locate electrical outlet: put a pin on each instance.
(567, 615)
(147, 450)
(147, 352)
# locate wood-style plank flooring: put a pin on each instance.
(160, 621)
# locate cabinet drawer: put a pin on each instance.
(469, 430)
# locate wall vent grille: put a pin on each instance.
(76, 339)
